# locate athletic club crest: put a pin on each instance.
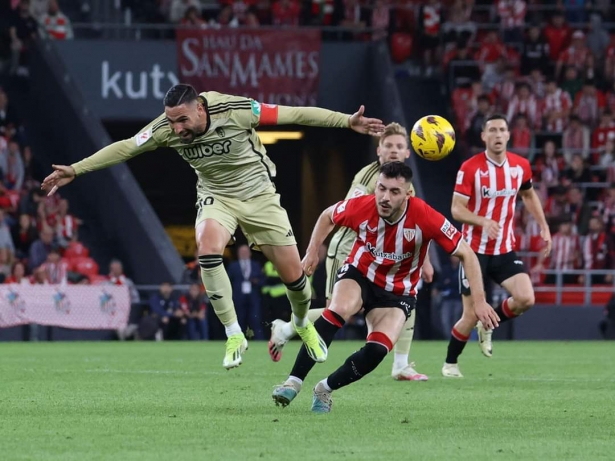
(16, 301)
(61, 302)
(107, 303)
(409, 234)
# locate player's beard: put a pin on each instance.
(189, 139)
(386, 213)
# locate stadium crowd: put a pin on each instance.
(549, 66)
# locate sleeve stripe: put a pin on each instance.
(460, 194)
(159, 124)
(369, 175)
(219, 108)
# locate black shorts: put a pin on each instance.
(495, 267)
(372, 295)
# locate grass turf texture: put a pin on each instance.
(174, 401)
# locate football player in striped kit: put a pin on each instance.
(484, 200)
(380, 275)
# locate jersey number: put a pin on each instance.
(207, 201)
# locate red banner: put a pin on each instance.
(273, 67)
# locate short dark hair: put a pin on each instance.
(495, 117)
(396, 170)
(180, 94)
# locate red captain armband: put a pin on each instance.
(269, 114)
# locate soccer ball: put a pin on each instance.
(432, 137)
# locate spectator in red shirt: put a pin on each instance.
(194, 305)
(511, 14)
(521, 137)
(286, 13)
(575, 55)
(56, 24)
(18, 274)
(557, 34)
(504, 91)
(609, 62)
(589, 103)
(430, 22)
(491, 49)
(601, 135)
(524, 102)
(597, 249)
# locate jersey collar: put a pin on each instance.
(206, 106)
(490, 160)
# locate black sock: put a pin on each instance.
(504, 312)
(358, 365)
(455, 346)
(326, 326)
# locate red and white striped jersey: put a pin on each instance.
(512, 13)
(492, 191)
(391, 255)
(566, 252)
(557, 102)
(530, 107)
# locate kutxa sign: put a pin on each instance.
(275, 67)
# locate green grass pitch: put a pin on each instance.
(174, 401)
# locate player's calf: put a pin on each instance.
(361, 362)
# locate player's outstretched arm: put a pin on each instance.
(461, 213)
(471, 266)
(315, 116)
(323, 228)
(113, 154)
(534, 206)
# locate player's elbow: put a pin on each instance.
(456, 211)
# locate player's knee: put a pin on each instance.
(343, 308)
(525, 302)
(210, 261)
(209, 248)
(290, 273)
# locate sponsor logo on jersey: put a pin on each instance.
(357, 193)
(384, 255)
(448, 229)
(206, 150)
(256, 107)
(490, 193)
(142, 138)
(341, 207)
(409, 234)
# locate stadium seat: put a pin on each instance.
(401, 47)
(76, 249)
(84, 265)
